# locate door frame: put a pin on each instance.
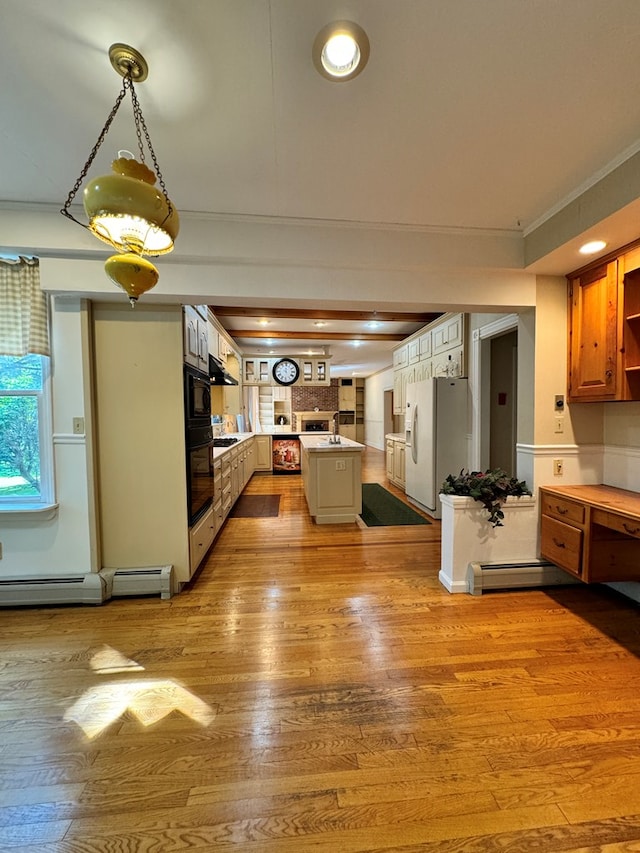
(480, 368)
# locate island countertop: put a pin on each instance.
(319, 442)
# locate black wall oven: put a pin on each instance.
(199, 472)
(197, 398)
(198, 443)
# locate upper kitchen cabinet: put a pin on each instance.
(604, 329)
(595, 358)
(196, 338)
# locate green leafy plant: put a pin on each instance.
(491, 488)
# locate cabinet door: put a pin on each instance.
(191, 339)
(594, 359)
(398, 400)
(390, 446)
(203, 345)
(398, 463)
(414, 351)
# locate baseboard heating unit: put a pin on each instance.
(515, 575)
(39, 589)
(143, 581)
(90, 588)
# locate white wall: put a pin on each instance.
(65, 543)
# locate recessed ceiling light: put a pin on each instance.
(357, 343)
(592, 247)
(263, 322)
(319, 323)
(373, 324)
(340, 51)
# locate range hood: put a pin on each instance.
(218, 375)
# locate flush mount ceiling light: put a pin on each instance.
(126, 209)
(340, 51)
(592, 247)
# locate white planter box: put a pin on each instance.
(467, 536)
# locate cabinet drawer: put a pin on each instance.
(563, 509)
(561, 544)
(628, 526)
(200, 538)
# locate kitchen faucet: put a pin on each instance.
(335, 438)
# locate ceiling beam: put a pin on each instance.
(316, 336)
(322, 314)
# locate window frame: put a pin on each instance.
(44, 502)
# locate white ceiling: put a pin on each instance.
(475, 115)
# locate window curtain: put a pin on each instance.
(24, 326)
(251, 395)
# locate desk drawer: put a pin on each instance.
(629, 526)
(561, 544)
(562, 509)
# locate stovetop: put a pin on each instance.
(224, 442)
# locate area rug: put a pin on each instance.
(382, 509)
(256, 506)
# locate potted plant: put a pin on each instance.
(474, 506)
(491, 488)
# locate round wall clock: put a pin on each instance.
(285, 371)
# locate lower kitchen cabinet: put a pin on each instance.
(201, 537)
(395, 447)
(262, 455)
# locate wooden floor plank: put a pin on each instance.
(316, 689)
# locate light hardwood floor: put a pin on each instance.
(316, 689)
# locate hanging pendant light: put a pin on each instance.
(126, 209)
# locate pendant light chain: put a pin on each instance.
(140, 123)
(92, 156)
(140, 127)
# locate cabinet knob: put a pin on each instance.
(561, 510)
(632, 531)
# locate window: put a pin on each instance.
(26, 481)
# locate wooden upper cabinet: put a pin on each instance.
(595, 358)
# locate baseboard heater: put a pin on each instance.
(69, 589)
(515, 575)
(142, 581)
(90, 588)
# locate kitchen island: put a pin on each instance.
(332, 478)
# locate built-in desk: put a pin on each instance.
(593, 532)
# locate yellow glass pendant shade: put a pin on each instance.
(135, 275)
(127, 211)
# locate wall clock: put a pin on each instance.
(285, 371)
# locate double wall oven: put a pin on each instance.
(198, 442)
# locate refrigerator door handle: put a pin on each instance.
(414, 424)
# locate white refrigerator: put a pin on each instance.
(436, 438)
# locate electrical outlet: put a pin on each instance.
(558, 467)
(78, 426)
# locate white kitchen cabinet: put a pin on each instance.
(448, 334)
(263, 460)
(196, 339)
(401, 357)
(201, 537)
(395, 460)
(413, 351)
(257, 371)
(425, 345)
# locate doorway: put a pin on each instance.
(494, 370)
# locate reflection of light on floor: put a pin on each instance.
(109, 660)
(150, 700)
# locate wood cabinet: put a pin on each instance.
(201, 537)
(604, 329)
(592, 532)
(594, 350)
